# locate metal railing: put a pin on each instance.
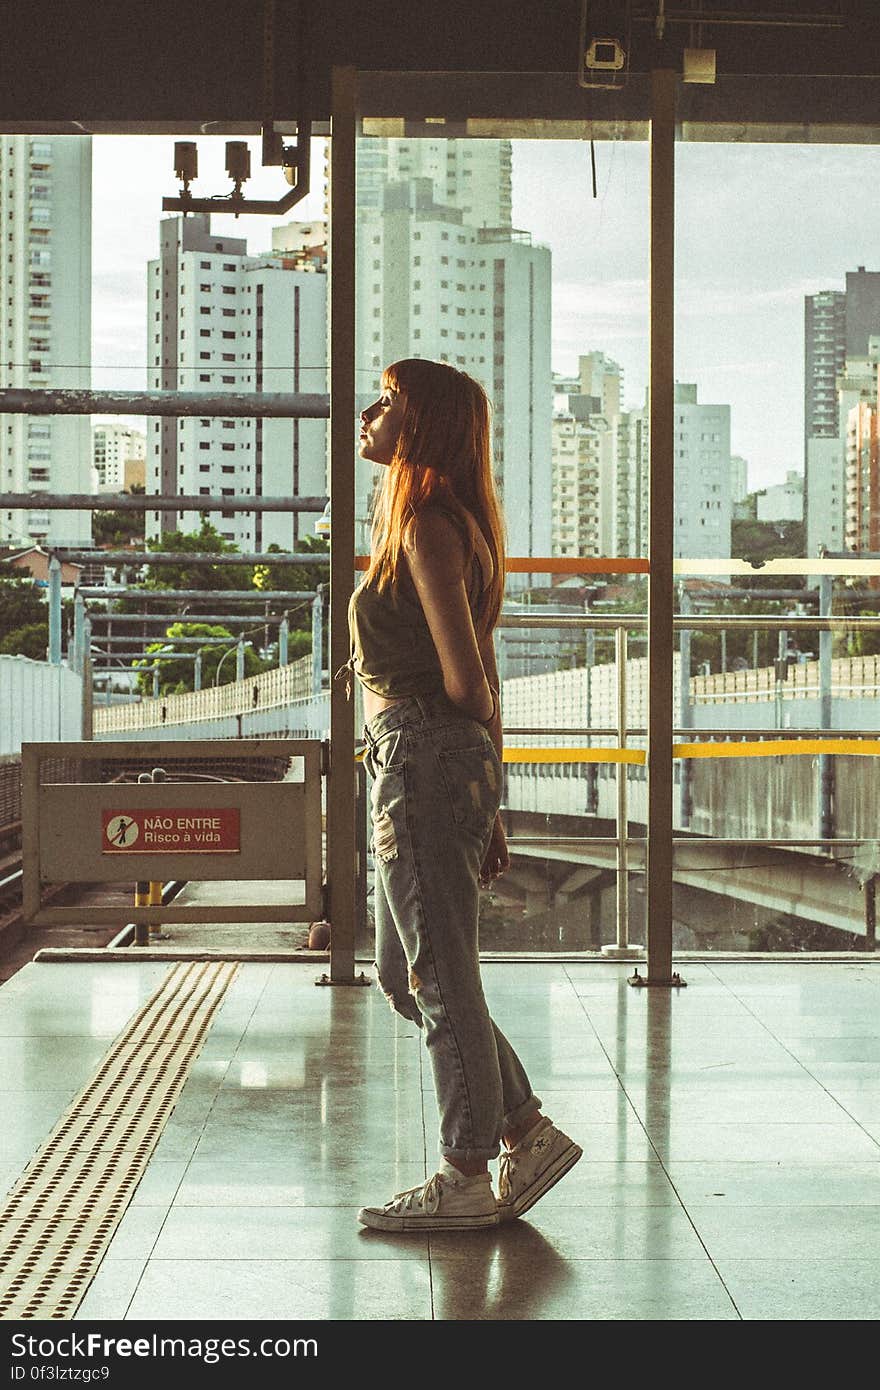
(274, 689)
(621, 754)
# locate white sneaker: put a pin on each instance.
(532, 1166)
(443, 1203)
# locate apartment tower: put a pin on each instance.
(46, 288)
(222, 321)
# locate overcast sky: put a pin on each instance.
(758, 227)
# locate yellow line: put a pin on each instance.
(565, 755)
(768, 748)
(773, 748)
(574, 755)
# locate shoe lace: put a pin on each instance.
(506, 1170)
(426, 1197)
(508, 1158)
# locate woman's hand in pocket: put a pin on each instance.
(497, 858)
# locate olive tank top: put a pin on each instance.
(392, 650)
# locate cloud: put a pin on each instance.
(119, 282)
(711, 298)
(752, 367)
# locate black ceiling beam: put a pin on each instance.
(199, 63)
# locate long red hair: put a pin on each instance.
(443, 456)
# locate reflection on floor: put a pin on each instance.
(731, 1136)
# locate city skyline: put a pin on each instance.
(767, 225)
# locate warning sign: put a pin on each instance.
(178, 831)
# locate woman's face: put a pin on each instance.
(380, 427)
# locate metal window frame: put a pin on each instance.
(662, 133)
(661, 624)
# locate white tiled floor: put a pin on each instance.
(731, 1134)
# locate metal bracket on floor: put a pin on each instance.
(641, 982)
(360, 979)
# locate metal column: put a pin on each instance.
(686, 716)
(79, 618)
(318, 640)
(622, 950)
(661, 590)
(341, 843)
(826, 761)
(88, 695)
(591, 769)
(55, 611)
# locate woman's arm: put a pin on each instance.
(497, 858)
(487, 657)
(435, 554)
(436, 557)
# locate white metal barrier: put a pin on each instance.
(93, 832)
(37, 701)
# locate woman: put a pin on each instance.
(421, 628)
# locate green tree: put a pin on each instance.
(298, 578)
(22, 604)
(215, 579)
(116, 529)
(281, 575)
(760, 541)
(176, 665)
(198, 575)
(853, 603)
(30, 640)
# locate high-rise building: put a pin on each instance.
(824, 494)
(702, 479)
(431, 285)
(862, 309)
(118, 454)
(585, 460)
(220, 321)
(828, 479)
(702, 476)
(474, 176)
(577, 502)
(739, 478)
(516, 302)
(837, 327)
(824, 356)
(862, 495)
(46, 286)
(630, 470)
(601, 377)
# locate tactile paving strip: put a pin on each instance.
(59, 1218)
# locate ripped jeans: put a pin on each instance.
(435, 794)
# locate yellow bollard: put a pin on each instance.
(141, 899)
(155, 900)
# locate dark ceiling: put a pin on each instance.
(190, 61)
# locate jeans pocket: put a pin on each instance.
(473, 785)
(386, 798)
(389, 752)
